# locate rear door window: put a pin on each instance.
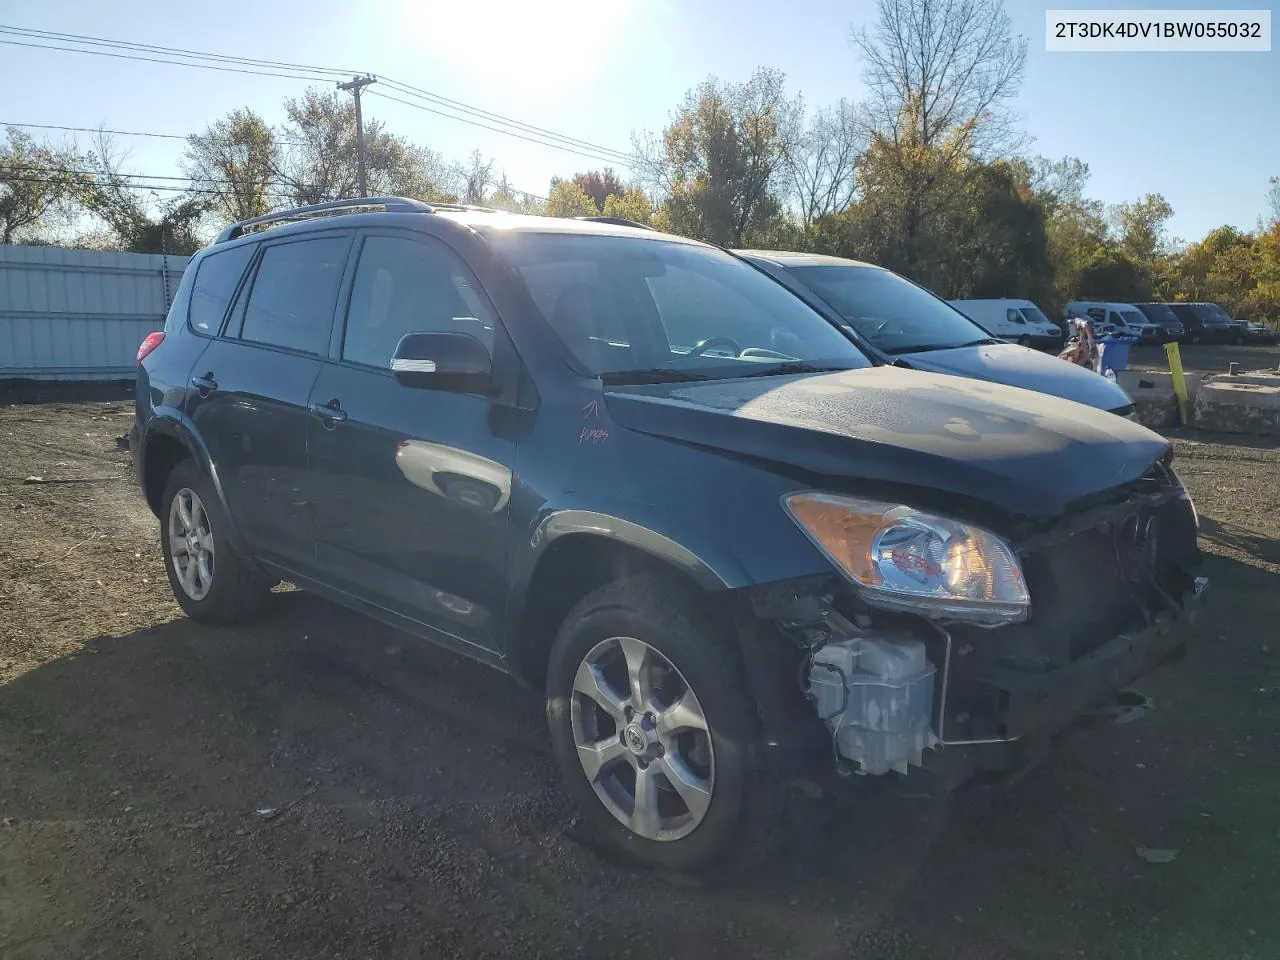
(294, 292)
(217, 277)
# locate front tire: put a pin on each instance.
(211, 581)
(653, 728)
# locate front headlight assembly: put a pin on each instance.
(905, 559)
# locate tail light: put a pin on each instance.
(153, 340)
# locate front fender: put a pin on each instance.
(703, 562)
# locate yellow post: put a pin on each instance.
(1179, 381)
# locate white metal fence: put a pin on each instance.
(80, 314)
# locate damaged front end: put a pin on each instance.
(1062, 615)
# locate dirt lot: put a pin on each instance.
(414, 810)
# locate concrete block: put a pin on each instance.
(1130, 381)
(1156, 408)
(1258, 378)
(1233, 407)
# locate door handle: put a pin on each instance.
(330, 413)
(206, 384)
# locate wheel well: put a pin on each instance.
(162, 454)
(573, 567)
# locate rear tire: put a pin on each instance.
(211, 581)
(657, 617)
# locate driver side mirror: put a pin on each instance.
(456, 362)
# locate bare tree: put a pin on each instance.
(474, 178)
(1273, 199)
(822, 168)
(110, 195)
(941, 73)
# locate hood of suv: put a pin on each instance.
(1021, 451)
(1018, 366)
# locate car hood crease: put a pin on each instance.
(1020, 451)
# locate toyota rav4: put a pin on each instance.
(635, 472)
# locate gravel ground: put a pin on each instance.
(1207, 357)
(317, 785)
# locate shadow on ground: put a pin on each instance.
(319, 785)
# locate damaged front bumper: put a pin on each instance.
(927, 705)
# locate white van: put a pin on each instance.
(1017, 320)
(1121, 318)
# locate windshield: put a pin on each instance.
(1214, 312)
(1158, 312)
(1033, 315)
(1133, 316)
(894, 314)
(667, 310)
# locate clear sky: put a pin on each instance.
(1203, 129)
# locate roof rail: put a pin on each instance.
(331, 209)
(617, 222)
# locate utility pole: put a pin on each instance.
(355, 86)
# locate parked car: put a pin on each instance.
(1019, 321)
(639, 475)
(1119, 319)
(1164, 318)
(1204, 322)
(1260, 333)
(898, 322)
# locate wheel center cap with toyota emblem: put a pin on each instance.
(636, 739)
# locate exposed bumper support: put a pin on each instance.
(1023, 702)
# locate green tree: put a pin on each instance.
(235, 160)
(721, 162)
(319, 155)
(629, 204)
(567, 199)
(940, 73)
(38, 187)
(599, 185)
(1142, 227)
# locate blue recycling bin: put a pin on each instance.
(1115, 355)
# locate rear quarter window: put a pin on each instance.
(217, 277)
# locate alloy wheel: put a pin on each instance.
(642, 739)
(191, 544)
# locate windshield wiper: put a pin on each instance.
(926, 347)
(617, 378)
(790, 367)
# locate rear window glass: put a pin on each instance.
(294, 293)
(217, 276)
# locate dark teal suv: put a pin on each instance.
(635, 472)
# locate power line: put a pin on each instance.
(28, 171)
(521, 130)
(141, 133)
(154, 48)
(173, 63)
(145, 186)
(476, 123)
(477, 111)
